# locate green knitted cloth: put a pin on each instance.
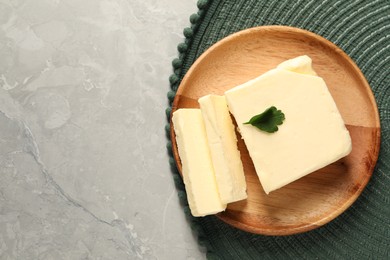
(362, 29)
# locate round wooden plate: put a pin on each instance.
(321, 196)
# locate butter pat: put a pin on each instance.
(313, 134)
(222, 141)
(301, 64)
(197, 167)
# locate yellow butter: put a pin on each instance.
(197, 167)
(225, 155)
(313, 134)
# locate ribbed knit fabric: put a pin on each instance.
(362, 29)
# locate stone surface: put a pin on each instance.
(84, 172)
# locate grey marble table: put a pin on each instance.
(83, 163)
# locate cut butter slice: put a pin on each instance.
(312, 136)
(197, 168)
(301, 64)
(222, 141)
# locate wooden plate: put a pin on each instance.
(321, 196)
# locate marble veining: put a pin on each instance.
(83, 163)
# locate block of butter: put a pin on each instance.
(225, 155)
(312, 135)
(197, 167)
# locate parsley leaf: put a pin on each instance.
(268, 121)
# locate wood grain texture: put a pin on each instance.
(321, 196)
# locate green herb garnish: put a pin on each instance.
(268, 121)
